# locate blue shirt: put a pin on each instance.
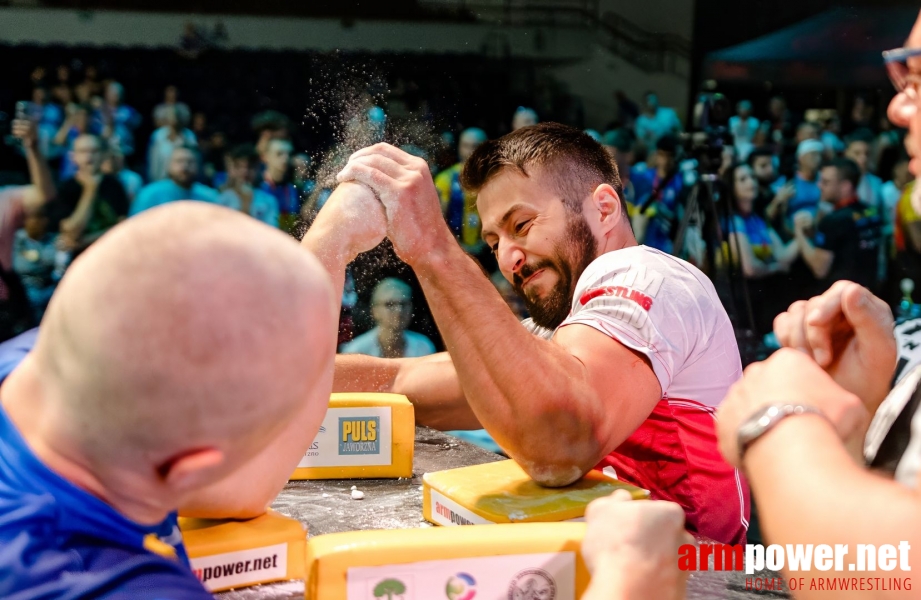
(807, 196)
(60, 542)
(262, 207)
(662, 210)
(166, 191)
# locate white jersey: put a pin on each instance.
(668, 310)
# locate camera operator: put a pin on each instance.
(658, 212)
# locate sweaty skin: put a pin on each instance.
(176, 349)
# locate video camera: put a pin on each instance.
(711, 132)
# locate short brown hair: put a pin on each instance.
(575, 162)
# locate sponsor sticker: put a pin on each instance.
(352, 437)
(512, 576)
(448, 512)
(245, 567)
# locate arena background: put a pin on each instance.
(439, 66)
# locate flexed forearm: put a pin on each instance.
(520, 387)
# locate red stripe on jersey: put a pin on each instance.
(674, 455)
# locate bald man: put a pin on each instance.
(154, 384)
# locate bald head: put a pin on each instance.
(189, 326)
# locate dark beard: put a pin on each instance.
(571, 257)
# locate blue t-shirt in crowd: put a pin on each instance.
(60, 542)
(807, 196)
(662, 210)
(166, 190)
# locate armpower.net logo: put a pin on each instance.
(825, 567)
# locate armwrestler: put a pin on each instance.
(175, 349)
(629, 351)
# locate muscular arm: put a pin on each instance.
(583, 390)
(836, 501)
(430, 383)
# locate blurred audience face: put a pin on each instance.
(664, 161)
(63, 73)
(651, 103)
(392, 305)
(470, 140)
(777, 107)
(171, 118)
(183, 167)
(170, 94)
(744, 109)
(87, 154)
(277, 157)
(36, 226)
(744, 188)
(39, 96)
(82, 120)
(199, 122)
(523, 118)
(834, 188)
(810, 161)
(859, 152)
(84, 93)
(239, 171)
(114, 93)
(113, 161)
(807, 131)
(300, 163)
(763, 169)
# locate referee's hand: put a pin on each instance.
(849, 333)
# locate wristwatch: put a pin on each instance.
(766, 418)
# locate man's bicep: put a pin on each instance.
(624, 384)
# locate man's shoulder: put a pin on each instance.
(421, 344)
(625, 259)
(647, 277)
(90, 570)
(366, 343)
(157, 187)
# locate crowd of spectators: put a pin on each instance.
(809, 201)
